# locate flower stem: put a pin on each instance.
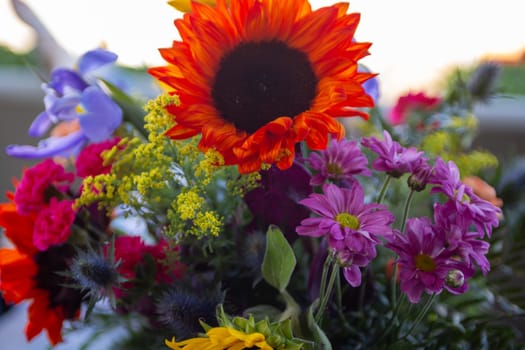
(384, 188)
(407, 207)
(327, 291)
(421, 314)
(326, 267)
(403, 223)
(392, 321)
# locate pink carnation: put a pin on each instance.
(89, 161)
(130, 252)
(53, 224)
(38, 184)
(411, 102)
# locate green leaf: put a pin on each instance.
(279, 259)
(263, 311)
(320, 337)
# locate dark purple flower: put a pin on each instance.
(276, 200)
(424, 263)
(393, 159)
(71, 95)
(351, 226)
(339, 162)
(446, 180)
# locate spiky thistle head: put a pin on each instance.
(483, 81)
(97, 274)
(182, 308)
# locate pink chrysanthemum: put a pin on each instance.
(38, 184)
(393, 158)
(351, 226)
(340, 162)
(461, 240)
(424, 262)
(446, 180)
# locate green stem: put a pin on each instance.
(392, 321)
(339, 301)
(406, 210)
(328, 291)
(382, 193)
(326, 267)
(420, 316)
(393, 281)
(362, 290)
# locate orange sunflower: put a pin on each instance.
(258, 76)
(27, 274)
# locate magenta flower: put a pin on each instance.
(89, 161)
(461, 241)
(409, 103)
(393, 159)
(424, 263)
(482, 213)
(130, 252)
(53, 224)
(351, 226)
(38, 184)
(338, 163)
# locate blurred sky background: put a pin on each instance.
(414, 42)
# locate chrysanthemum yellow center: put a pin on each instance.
(347, 220)
(425, 263)
(334, 169)
(258, 82)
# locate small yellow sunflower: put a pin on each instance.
(222, 338)
(255, 77)
(185, 5)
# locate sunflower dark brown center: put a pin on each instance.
(259, 82)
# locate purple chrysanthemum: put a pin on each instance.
(482, 213)
(461, 242)
(393, 159)
(421, 174)
(424, 263)
(351, 226)
(339, 162)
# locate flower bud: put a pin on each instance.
(455, 279)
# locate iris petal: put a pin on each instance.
(40, 125)
(64, 80)
(95, 59)
(50, 147)
(102, 115)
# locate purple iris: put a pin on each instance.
(371, 86)
(73, 95)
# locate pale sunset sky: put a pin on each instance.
(414, 42)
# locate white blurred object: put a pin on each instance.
(48, 48)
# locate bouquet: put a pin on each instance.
(237, 205)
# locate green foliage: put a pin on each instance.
(279, 259)
(10, 58)
(513, 79)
